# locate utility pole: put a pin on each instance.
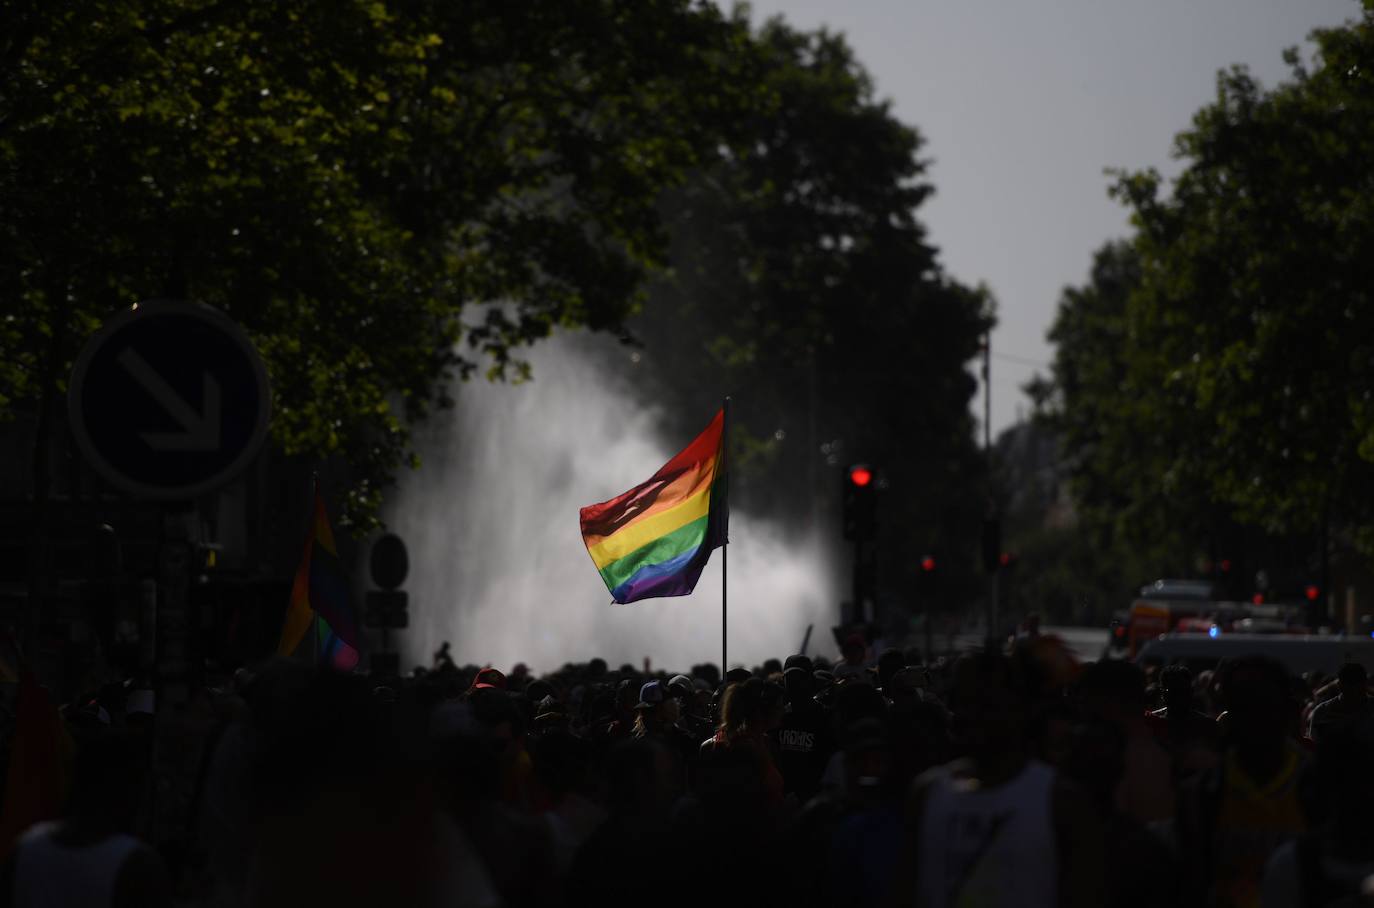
(987, 453)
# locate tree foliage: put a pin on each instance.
(1217, 371)
(804, 283)
(383, 193)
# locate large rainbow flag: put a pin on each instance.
(320, 596)
(655, 539)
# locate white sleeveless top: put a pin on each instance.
(49, 875)
(989, 848)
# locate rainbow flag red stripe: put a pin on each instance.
(655, 539)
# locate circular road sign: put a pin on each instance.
(389, 562)
(169, 399)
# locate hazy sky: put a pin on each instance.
(1023, 103)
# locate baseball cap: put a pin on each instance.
(681, 684)
(489, 677)
(549, 708)
(798, 681)
(651, 694)
(736, 675)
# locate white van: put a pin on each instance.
(1300, 654)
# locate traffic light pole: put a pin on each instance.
(857, 616)
(987, 451)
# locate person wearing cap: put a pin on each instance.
(656, 716)
(803, 741)
(549, 716)
(655, 712)
(690, 721)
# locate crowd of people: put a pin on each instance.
(1010, 776)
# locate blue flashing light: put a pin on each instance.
(1213, 631)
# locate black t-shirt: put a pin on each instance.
(803, 744)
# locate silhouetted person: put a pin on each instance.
(1114, 691)
(1232, 817)
(1141, 869)
(1334, 864)
(1189, 735)
(750, 711)
(803, 740)
(628, 860)
(998, 828)
(88, 859)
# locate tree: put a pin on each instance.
(804, 283)
(1136, 489)
(1255, 289)
(1213, 379)
(383, 194)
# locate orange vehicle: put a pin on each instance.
(1160, 608)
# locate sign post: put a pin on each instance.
(169, 401)
(386, 608)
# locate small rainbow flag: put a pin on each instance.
(321, 590)
(655, 539)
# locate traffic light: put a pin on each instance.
(859, 503)
(927, 578)
(1313, 592)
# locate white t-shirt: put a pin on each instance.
(989, 847)
(52, 875)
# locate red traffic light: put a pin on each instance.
(861, 476)
(1313, 592)
(1004, 559)
(927, 563)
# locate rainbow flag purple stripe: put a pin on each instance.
(655, 539)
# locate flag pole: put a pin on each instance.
(314, 615)
(725, 545)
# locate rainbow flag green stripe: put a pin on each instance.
(655, 539)
(685, 540)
